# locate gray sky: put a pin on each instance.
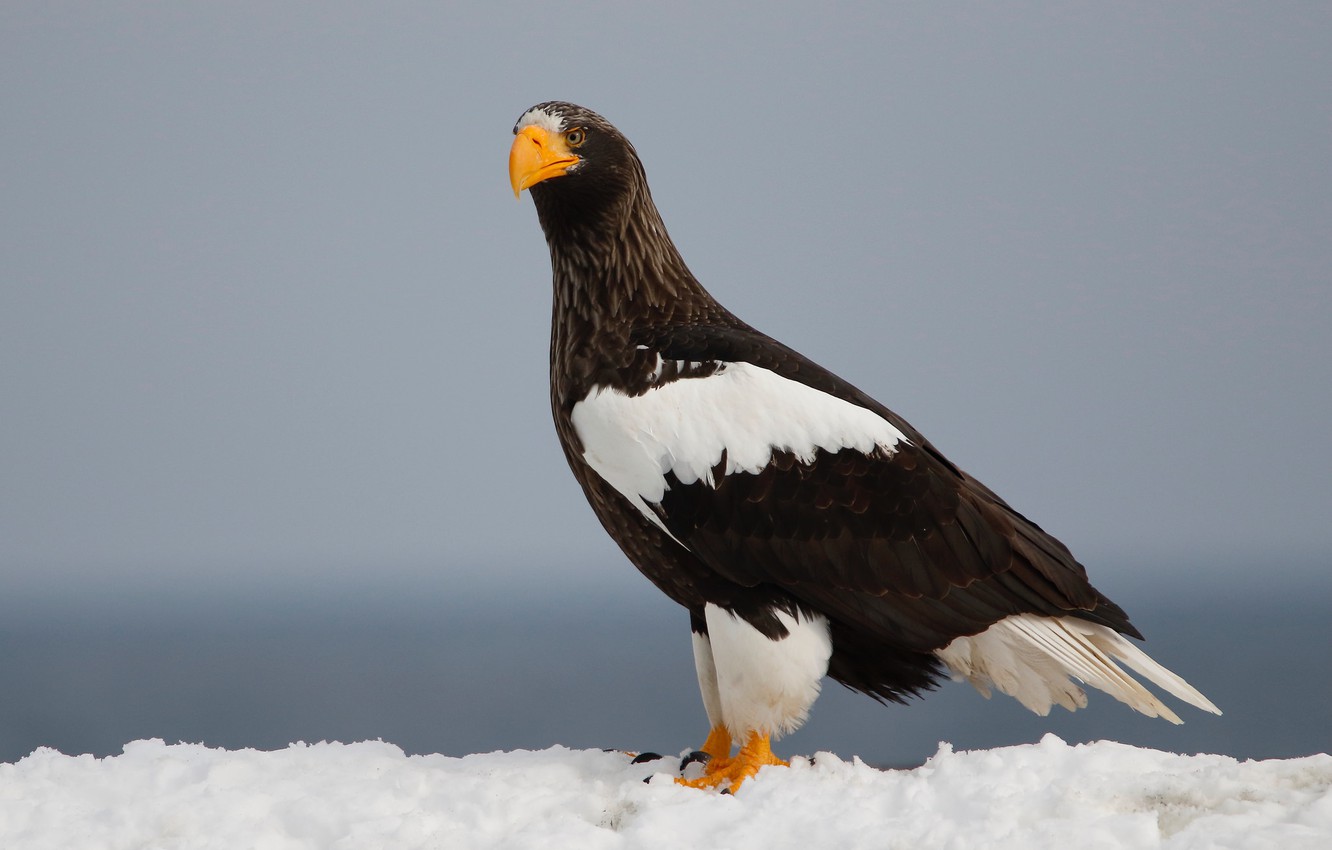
(269, 311)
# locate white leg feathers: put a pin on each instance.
(707, 679)
(765, 685)
(1033, 659)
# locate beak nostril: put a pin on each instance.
(537, 162)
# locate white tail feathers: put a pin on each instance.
(1032, 658)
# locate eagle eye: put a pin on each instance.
(575, 137)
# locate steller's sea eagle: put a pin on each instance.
(808, 529)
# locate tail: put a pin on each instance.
(1034, 660)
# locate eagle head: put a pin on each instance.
(571, 158)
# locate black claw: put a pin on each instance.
(643, 757)
(696, 756)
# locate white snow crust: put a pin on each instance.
(371, 795)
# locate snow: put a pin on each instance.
(371, 795)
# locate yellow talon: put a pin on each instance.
(731, 772)
(718, 748)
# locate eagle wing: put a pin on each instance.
(893, 542)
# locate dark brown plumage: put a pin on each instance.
(899, 551)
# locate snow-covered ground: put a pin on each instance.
(371, 795)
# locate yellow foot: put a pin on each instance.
(718, 749)
(731, 772)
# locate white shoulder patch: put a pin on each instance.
(684, 426)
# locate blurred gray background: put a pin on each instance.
(275, 453)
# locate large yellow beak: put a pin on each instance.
(537, 155)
